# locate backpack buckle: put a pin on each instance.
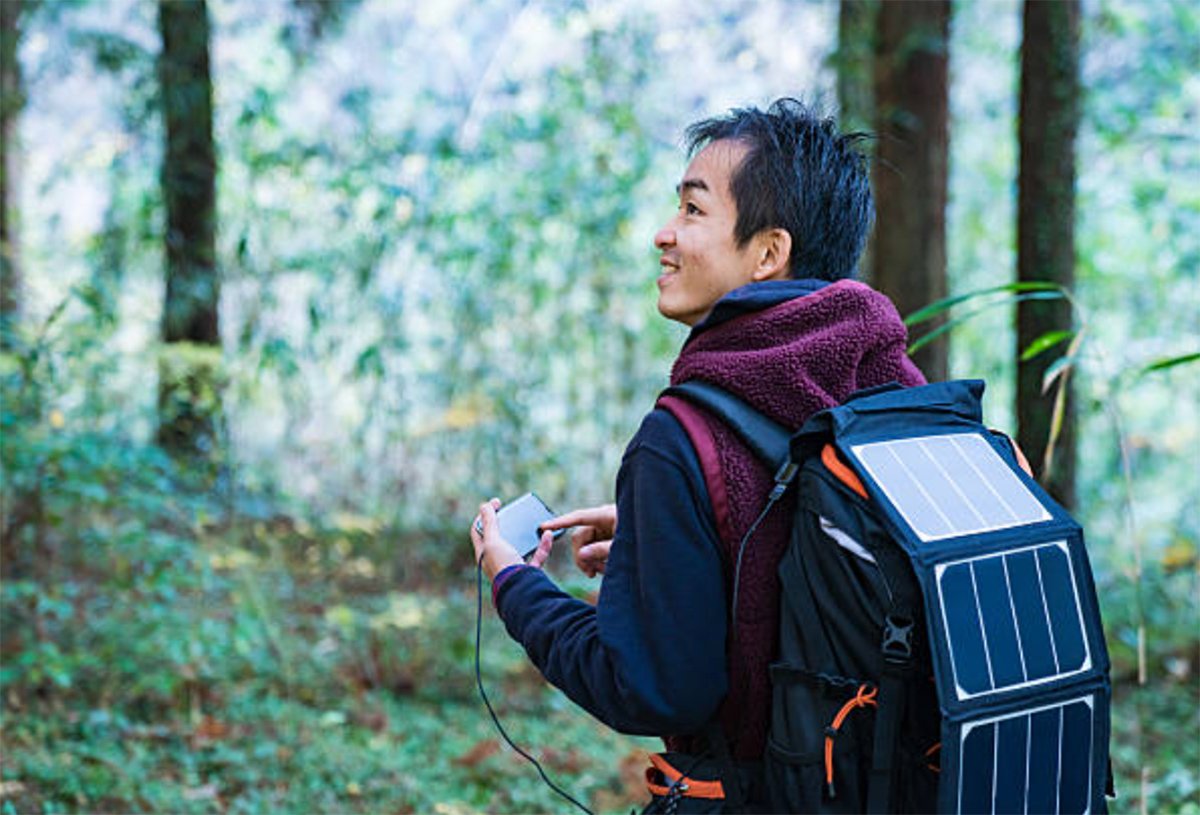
(897, 639)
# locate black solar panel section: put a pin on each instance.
(950, 485)
(1012, 619)
(1035, 761)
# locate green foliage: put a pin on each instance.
(1171, 362)
(434, 240)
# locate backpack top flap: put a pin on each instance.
(945, 482)
(885, 412)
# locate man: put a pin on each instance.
(774, 211)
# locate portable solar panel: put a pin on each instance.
(1012, 617)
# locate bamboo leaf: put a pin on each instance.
(942, 329)
(1064, 363)
(1058, 416)
(1171, 362)
(1056, 425)
(934, 309)
(1056, 369)
(1044, 343)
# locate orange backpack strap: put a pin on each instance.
(1018, 453)
(662, 775)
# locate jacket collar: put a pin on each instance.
(755, 297)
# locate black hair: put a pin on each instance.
(800, 173)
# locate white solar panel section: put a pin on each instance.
(1031, 761)
(1012, 619)
(948, 486)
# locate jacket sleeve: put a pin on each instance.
(649, 658)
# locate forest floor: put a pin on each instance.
(263, 686)
(292, 694)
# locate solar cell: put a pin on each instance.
(1030, 761)
(950, 485)
(1012, 619)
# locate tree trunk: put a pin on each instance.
(1049, 118)
(853, 63)
(910, 170)
(12, 99)
(188, 398)
(855, 53)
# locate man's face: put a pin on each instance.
(701, 261)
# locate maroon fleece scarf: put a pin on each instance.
(789, 361)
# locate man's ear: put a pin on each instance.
(773, 250)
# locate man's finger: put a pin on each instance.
(582, 536)
(487, 518)
(592, 559)
(588, 516)
(542, 553)
(599, 549)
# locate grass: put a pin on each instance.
(266, 678)
(262, 672)
(268, 755)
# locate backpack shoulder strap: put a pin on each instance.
(766, 438)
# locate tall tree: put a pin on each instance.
(187, 397)
(12, 99)
(852, 61)
(910, 171)
(1049, 119)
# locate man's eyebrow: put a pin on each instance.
(691, 184)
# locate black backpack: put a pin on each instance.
(940, 644)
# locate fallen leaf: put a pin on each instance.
(210, 728)
(374, 720)
(481, 750)
(568, 761)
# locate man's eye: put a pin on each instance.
(691, 209)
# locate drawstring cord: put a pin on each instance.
(865, 697)
(929, 765)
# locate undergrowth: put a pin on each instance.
(171, 641)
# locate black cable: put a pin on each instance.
(737, 571)
(488, 704)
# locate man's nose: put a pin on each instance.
(664, 237)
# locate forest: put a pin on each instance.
(288, 287)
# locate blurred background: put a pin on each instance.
(290, 286)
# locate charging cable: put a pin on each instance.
(488, 704)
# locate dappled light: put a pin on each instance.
(254, 389)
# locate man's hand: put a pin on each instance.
(497, 553)
(592, 538)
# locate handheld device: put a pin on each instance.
(521, 522)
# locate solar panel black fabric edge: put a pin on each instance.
(924, 550)
(939, 637)
(1100, 695)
